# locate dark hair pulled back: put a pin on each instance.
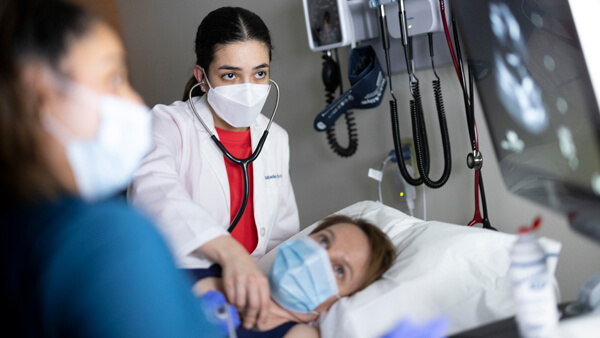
(223, 26)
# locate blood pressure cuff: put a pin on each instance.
(368, 85)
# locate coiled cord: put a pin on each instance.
(437, 92)
(398, 146)
(420, 138)
(394, 106)
(329, 96)
(419, 129)
(352, 137)
(439, 105)
(332, 79)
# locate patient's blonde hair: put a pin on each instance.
(383, 252)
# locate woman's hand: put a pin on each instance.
(245, 285)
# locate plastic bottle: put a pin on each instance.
(534, 297)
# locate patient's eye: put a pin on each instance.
(339, 271)
(324, 241)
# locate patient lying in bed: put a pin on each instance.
(356, 253)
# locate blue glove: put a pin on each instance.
(217, 311)
(409, 329)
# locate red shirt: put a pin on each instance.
(239, 145)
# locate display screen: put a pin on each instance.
(535, 90)
(325, 24)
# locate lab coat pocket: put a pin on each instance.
(273, 188)
(271, 193)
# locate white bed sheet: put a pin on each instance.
(442, 269)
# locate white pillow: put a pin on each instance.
(442, 269)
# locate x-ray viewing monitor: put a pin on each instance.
(538, 101)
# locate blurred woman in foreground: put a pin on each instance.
(72, 131)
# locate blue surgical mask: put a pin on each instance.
(104, 164)
(301, 277)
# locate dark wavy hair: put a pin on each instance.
(223, 26)
(31, 31)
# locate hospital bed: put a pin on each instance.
(442, 269)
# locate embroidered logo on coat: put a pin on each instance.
(270, 177)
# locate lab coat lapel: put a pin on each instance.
(258, 169)
(210, 151)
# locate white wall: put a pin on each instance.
(159, 36)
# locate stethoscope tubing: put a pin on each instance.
(242, 162)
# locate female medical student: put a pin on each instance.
(75, 262)
(193, 191)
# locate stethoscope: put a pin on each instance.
(241, 162)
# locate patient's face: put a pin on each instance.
(349, 250)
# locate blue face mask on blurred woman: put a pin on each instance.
(103, 165)
(301, 277)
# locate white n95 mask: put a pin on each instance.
(240, 104)
(105, 164)
(301, 277)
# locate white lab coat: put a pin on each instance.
(182, 183)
